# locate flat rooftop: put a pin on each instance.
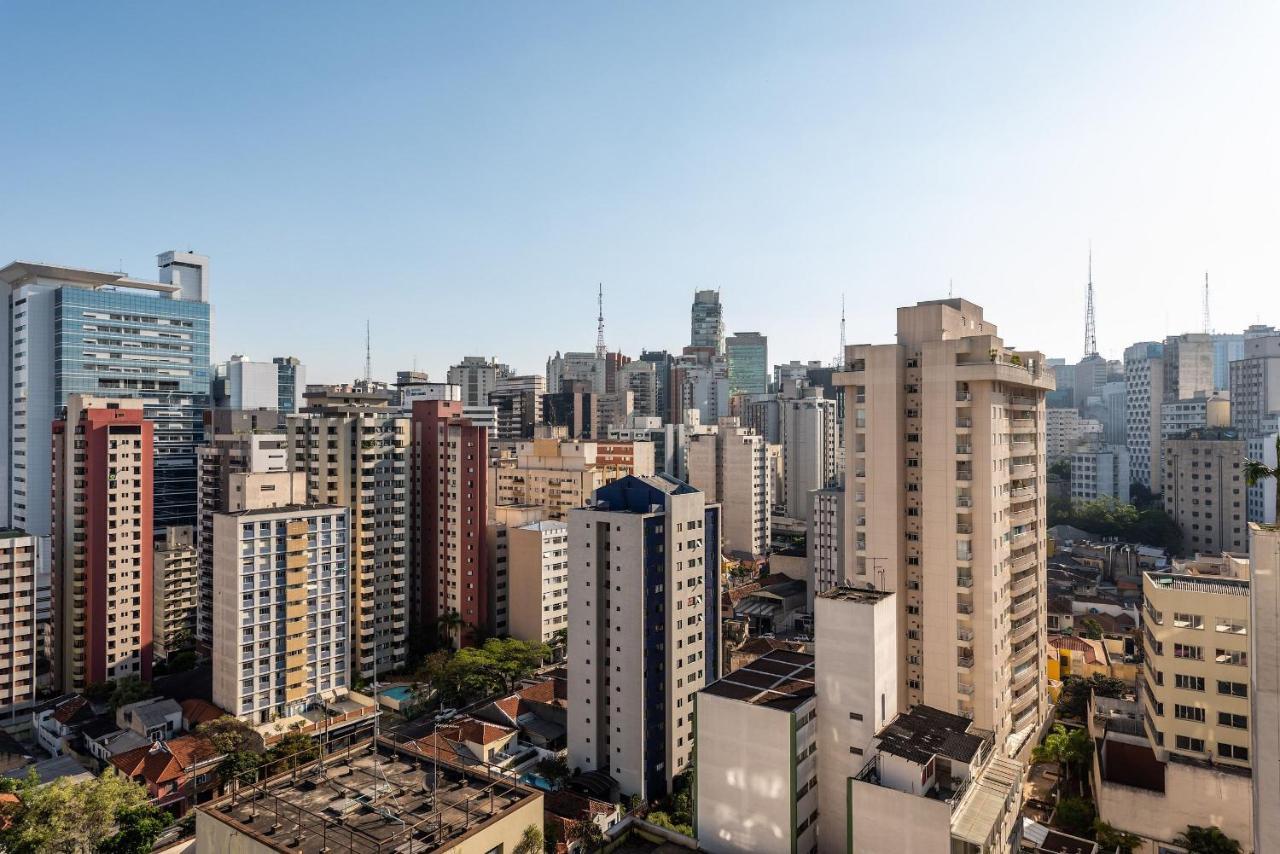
(924, 732)
(1200, 583)
(855, 594)
(780, 679)
(392, 798)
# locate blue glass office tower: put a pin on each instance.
(71, 331)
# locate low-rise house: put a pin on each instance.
(539, 711)
(157, 719)
(57, 724)
(178, 773)
(103, 738)
(196, 712)
(564, 809)
(49, 770)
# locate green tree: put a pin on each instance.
(1092, 629)
(447, 625)
(1074, 698)
(228, 734)
(1256, 471)
(1074, 815)
(589, 835)
(82, 817)
(530, 841)
(129, 689)
(555, 770)
(1061, 469)
(1111, 840)
(662, 819)
(240, 768)
(1069, 749)
(292, 750)
(1206, 840)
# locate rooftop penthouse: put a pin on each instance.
(372, 798)
(933, 783)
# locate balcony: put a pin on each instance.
(1023, 632)
(964, 688)
(1022, 470)
(1023, 538)
(1024, 585)
(964, 502)
(965, 581)
(1026, 607)
(964, 662)
(964, 423)
(1022, 517)
(965, 635)
(1023, 561)
(964, 608)
(964, 474)
(1023, 425)
(963, 397)
(1023, 448)
(964, 450)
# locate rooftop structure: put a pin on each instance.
(372, 798)
(779, 679)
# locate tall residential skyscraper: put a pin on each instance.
(706, 328)
(102, 540)
(1227, 348)
(281, 594)
(175, 573)
(19, 626)
(451, 589)
(477, 376)
(355, 456)
(810, 446)
(1264, 684)
(291, 378)
(236, 443)
(1204, 490)
(1144, 394)
(518, 400)
(730, 466)
(748, 354)
(945, 506)
(644, 621)
(1188, 365)
(71, 331)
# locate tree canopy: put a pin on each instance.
(1206, 840)
(1108, 517)
(478, 671)
(1074, 698)
(108, 814)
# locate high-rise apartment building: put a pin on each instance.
(1205, 491)
(1100, 471)
(1255, 384)
(70, 331)
(1195, 676)
(450, 584)
(1227, 348)
(518, 400)
(825, 539)
(641, 379)
(102, 541)
(242, 383)
(748, 354)
(291, 383)
(1193, 413)
(236, 443)
(1144, 394)
(19, 626)
(644, 620)
(700, 383)
(945, 506)
(810, 449)
(1264, 447)
(538, 580)
(1065, 430)
(356, 456)
(730, 465)
(706, 328)
(562, 475)
(477, 376)
(281, 599)
(1188, 365)
(175, 588)
(588, 370)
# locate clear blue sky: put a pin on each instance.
(463, 174)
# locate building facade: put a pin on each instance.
(731, 467)
(279, 635)
(538, 580)
(1144, 393)
(1264, 684)
(102, 539)
(70, 331)
(706, 327)
(1100, 471)
(945, 505)
(748, 354)
(1205, 491)
(644, 620)
(19, 626)
(810, 445)
(561, 475)
(1255, 384)
(477, 376)
(175, 590)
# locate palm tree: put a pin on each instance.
(1067, 748)
(447, 624)
(1256, 471)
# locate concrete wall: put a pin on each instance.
(886, 821)
(1264, 687)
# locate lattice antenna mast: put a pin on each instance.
(1090, 322)
(601, 349)
(368, 352)
(1208, 327)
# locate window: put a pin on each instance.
(1232, 625)
(1188, 621)
(1234, 721)
(1188, 713)
(1191, 651)
(1186, 742)
(1233, 751)
(1233, 689)
(1231, 656)
(1188, 683)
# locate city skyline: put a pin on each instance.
(404, 176)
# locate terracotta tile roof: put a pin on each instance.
(166, 760)
(551, 692)
(510, 706)
(196, 712)
(1077, 645)
(8, 803)
(574, 805)
(67, 711)
(477, 731)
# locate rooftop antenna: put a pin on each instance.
(1090, 323)
(368, 352)
(951, 288)
(601, 349)
(1207, 325)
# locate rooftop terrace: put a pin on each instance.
(779, 679)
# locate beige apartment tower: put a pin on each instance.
(19, 557)
(176, 582)
(731, 467)
(945, 506)
(1205, 491)
(561, 475)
